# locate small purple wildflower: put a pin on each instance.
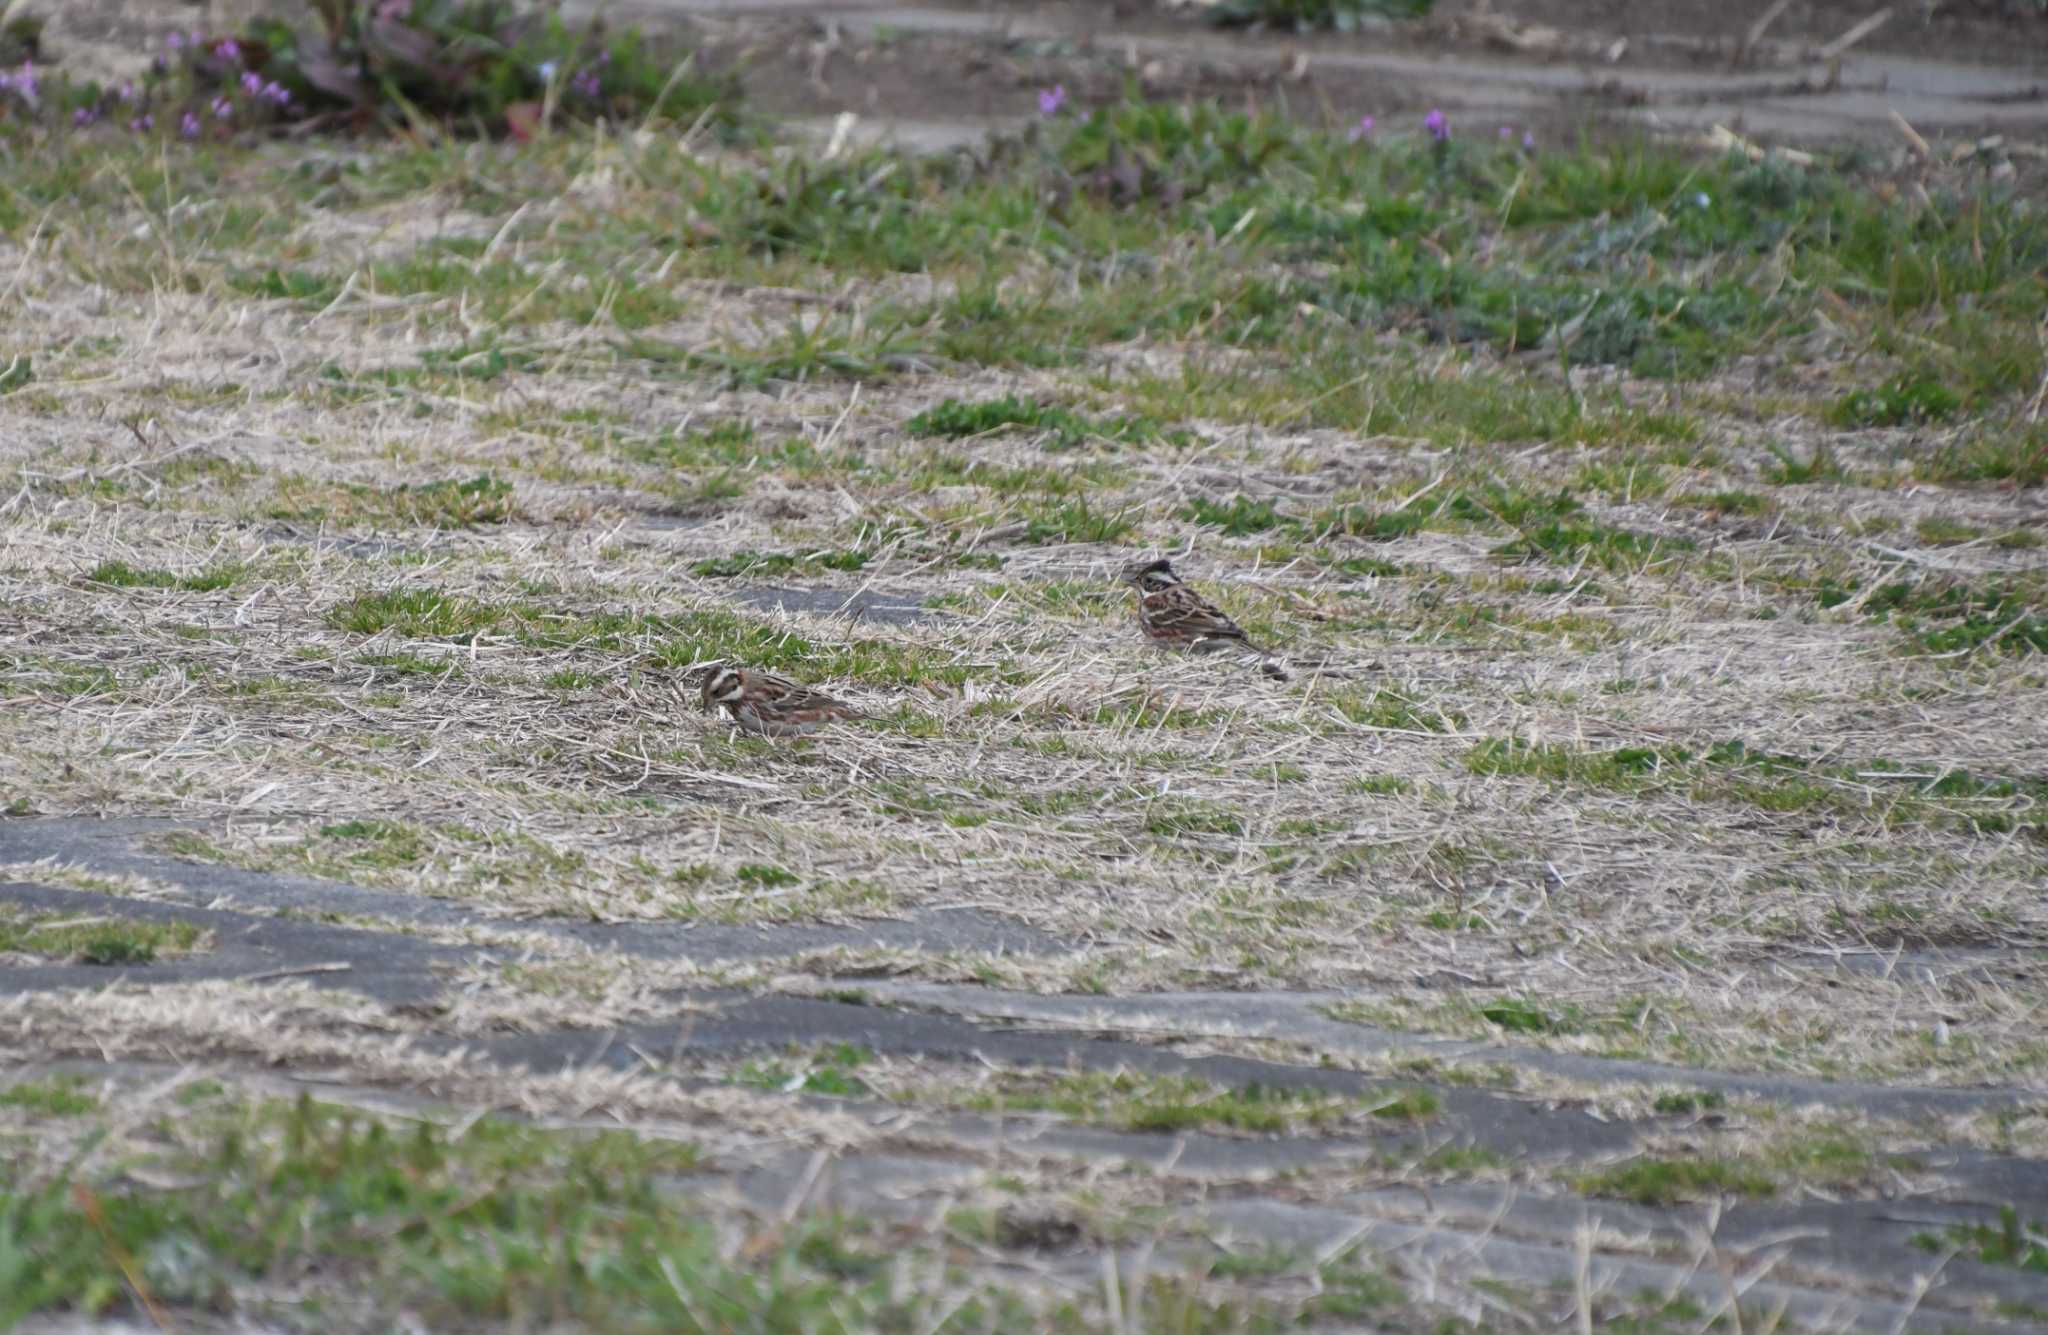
(127, 90)
(1506, 132)
(276, 94)
(223, 109)
(1438, 125)
(174, 40)
(188, 125)
(83, 117)
(1050, 100)
(586, 84)
(143, 122)
(1362, 130)
(1528, 141)
(227, 48)
(22, 81)
(252, 83)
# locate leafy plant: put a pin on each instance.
(486, 65)
(1899, 402)
(1309, 15)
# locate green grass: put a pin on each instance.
(415, 614)
(1136, 1102)
(829, 1070)
(121, 575)
(2009, 1242)
(1900, 402)
(758, 564)
(1945, 616)
(112, 943)
(1885, 791)
(58, 1096)
(1056, 428)
(1660, 1181)
(454, 504)
(497, 1224)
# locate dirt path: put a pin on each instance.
(933, 74)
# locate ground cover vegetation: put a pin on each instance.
(1654, 537)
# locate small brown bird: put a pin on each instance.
(761, 702)
(1172, 614)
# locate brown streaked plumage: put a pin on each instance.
(773, 706)
(1171, 613)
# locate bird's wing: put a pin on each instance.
(1183, 610)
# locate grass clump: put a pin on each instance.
(1657, 1181)
(830, 1071)
(121, 575)
(1137, 1102)
(450, 504)
(500, 1223)
(1951, 617)
(88, 941)
(59, 1096)
(2009, 1242)
(1056, 428)
(415, 614)
(775, 563)
(1904, 401)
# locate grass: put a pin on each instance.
(2010, 1242)
(87, 939)
(1657, 1181)
(121, 575)
(1647, 532)
(502, 1223)
(1135, 1102)
(59, 1096)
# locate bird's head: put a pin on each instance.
(1146, 576)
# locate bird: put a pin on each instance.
(1171, 613)
(761, 702)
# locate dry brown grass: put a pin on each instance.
(1184, 824)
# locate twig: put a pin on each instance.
(1856, 34)
(1912, 137)
(339, 966)
(1756, 31)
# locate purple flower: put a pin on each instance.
(223, 109)
(188, 125)
(1362, 130)
(277, 93)
(174, 40)
(127, 90)
(252, 82)
(586, 83)
(1529, 141)
(1438, 125)
(227, 48)
(83, 117)
(22, 81)
(143, 122)
(1506, 133)
(1050, 100)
